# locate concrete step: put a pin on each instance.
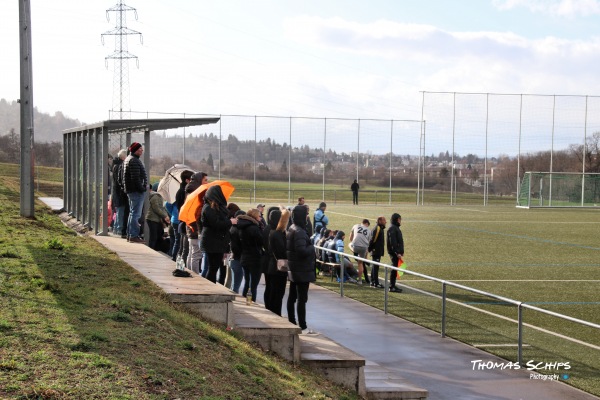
(270, 331)
(382, 383)
(336, 362)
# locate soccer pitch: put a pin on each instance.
(548, 258)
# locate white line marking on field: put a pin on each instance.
(501, 345)
(470, 209)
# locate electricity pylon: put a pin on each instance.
(121, 55)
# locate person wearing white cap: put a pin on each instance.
(261, 207)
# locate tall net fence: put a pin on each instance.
(282, 158)
(477, 146)
(469, 148)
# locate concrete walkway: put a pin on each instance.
(440, 365)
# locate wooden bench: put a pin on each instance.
(328, 267)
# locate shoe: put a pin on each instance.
(359, 282)
(395, 290)
(136, 240)
(308, 331)
(352, 280)
(124, 236)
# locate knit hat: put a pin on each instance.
(135, 146)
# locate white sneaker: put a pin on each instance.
(308, 331)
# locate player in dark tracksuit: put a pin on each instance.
(377, 249)
(395, 247)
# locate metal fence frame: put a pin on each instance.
(519, 304)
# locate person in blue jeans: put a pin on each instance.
(235, 262)
(135, 182)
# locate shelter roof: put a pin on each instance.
(140, 125)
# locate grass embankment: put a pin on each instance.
(78, 323)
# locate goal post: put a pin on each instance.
(559, 189)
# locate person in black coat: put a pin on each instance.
(273, 214)
(276, 279)
(118, 195)
(301, 262)
(252, 250)
(235, 262)
(377, 249)
(395, 248)
(214, 240)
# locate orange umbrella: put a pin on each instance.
(190, 211)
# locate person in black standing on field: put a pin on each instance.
(301, 262)
(354, 187)
(377, 249)
(395, 248)
(214, 239)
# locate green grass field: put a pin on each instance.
(549, 258)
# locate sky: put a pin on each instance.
(334, 59)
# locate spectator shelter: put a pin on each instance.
(87, 177)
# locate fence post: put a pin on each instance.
(385, 291)
(342, 274)
(444, 309)
(520, 346)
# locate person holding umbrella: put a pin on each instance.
(215, 221)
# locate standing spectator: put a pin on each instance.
(135, 182)
(277, 249)
(395, 248)
(273, 215)
(192, 230)
(235, 260)
(320, 219)
(360, 237)
(156, 216)
(214, 239)
(118, 195)
(252, 250)
(377, 249)
(300, 201)
(261, 209)
(300, 255)
(354, 187)
(178, 227)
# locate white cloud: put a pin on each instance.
(560, 8)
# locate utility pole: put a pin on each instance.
(121, 55)
(26, 101)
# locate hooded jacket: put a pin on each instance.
(339, 245)
(251, 239)
(215, 222)
(194, 228)
(300, 252)
(377, 244)
(395, 242)
(156, 210)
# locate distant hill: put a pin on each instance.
(48, 128)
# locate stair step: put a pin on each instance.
(381, 383)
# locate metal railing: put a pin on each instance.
(519, 304)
